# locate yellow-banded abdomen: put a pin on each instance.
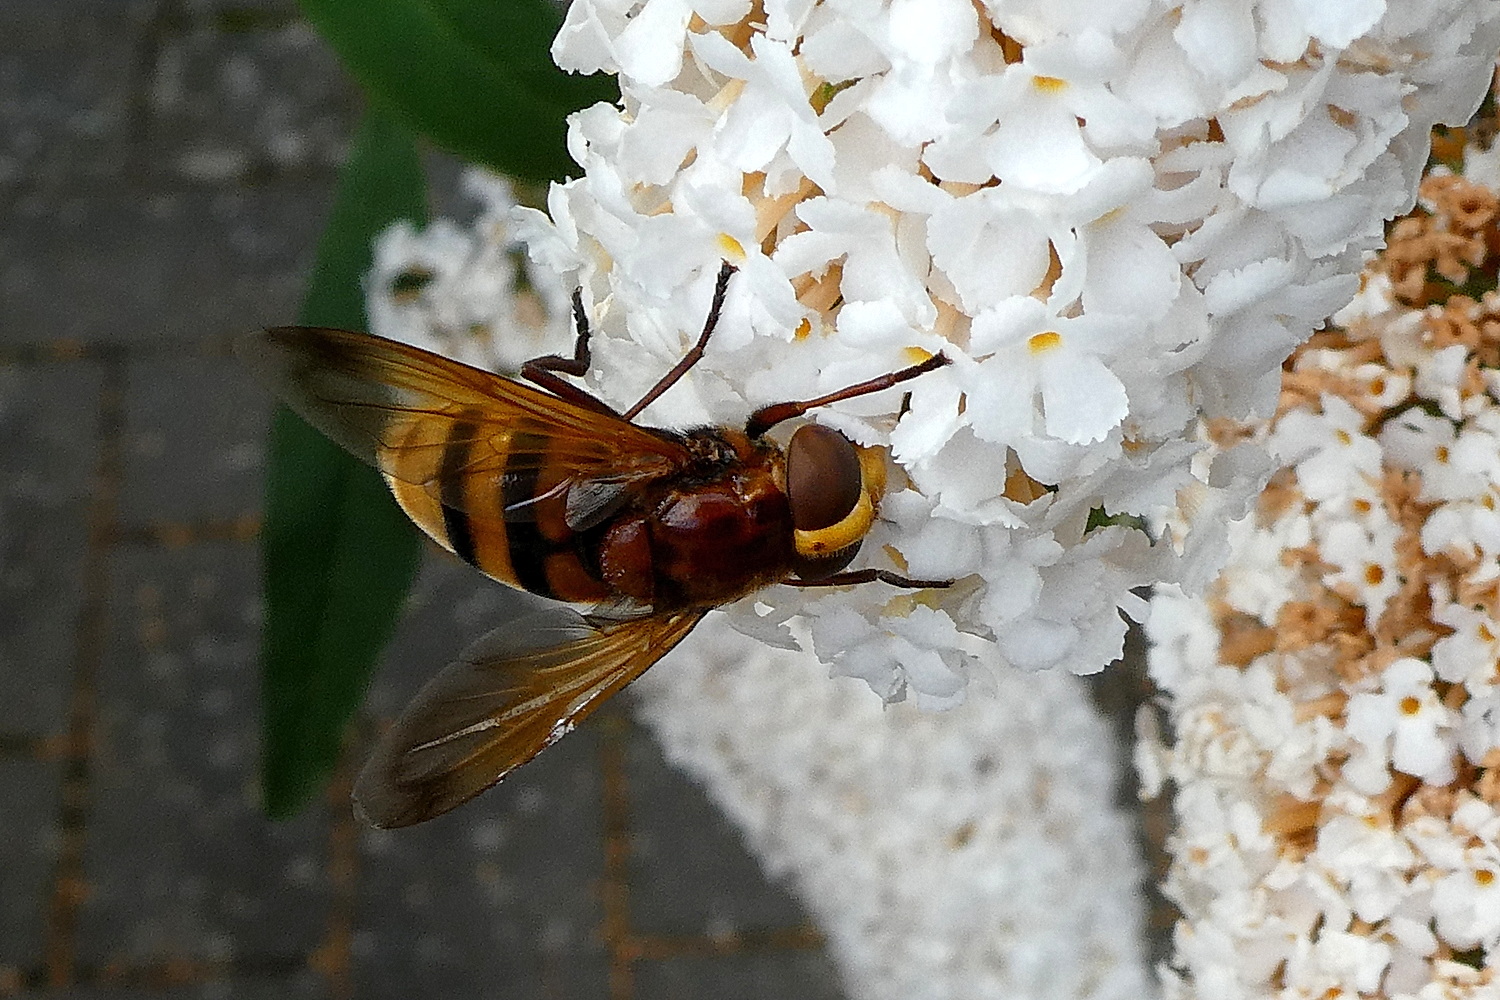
(512, 526)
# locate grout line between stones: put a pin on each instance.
(27, 746)
(167, 974)
(659, 946)
(148, 48)
(616, 888)
(68, 881)
(334, 957)
(53, 351)
(177, 534)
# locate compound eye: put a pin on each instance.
(823, 481)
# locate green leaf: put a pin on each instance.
(474, 76)
(339, 555)
(1101, 518)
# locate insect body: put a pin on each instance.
(556, 493)
(667, 521)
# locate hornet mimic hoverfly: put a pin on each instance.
(558, 494)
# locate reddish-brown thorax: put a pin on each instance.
(708, 537)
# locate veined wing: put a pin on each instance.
(508, 697)
(430, 421)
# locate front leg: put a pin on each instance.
(542, 370)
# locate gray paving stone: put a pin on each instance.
(432, 965)
(233, 15)
(174, 265)
(690, 872)
(49, 454)
(65, 88)
(30, 792)
(194, 440)
(499, 897)
(179, 860)
(451, 604)
(804, 975)
(244, 91)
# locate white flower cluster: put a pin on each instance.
(976, 854)
(1116, 219)
(1335, 704)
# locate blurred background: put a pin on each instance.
(165, 170)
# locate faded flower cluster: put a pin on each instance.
(1335, 702)
(1115, 219)
(464, 291)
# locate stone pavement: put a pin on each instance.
(165, 166)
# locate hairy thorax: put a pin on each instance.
(720, 531)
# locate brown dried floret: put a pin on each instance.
(1468, 206)
(1451, 324)
(1402, 492)
(1330, 338)
(1451, 240)
(1475, 326)
(1454, 254)
(1243, 638)
(1227, 433)
(1294, 824)
(1350, 650)
(1483, 595)
(1487, 783)
(1327, 706)
(1431, 800)
(1280, 496)
(1302, 624)
(1305, 388)
(1308, 559)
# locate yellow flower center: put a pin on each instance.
(733, 252)
(1044, 342)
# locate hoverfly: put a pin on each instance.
(558, 494)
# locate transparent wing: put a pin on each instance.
(425, 419)
(508, 697)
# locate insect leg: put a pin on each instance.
(854, 576)
(767, 417)
(540, 370)
(691, 358)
